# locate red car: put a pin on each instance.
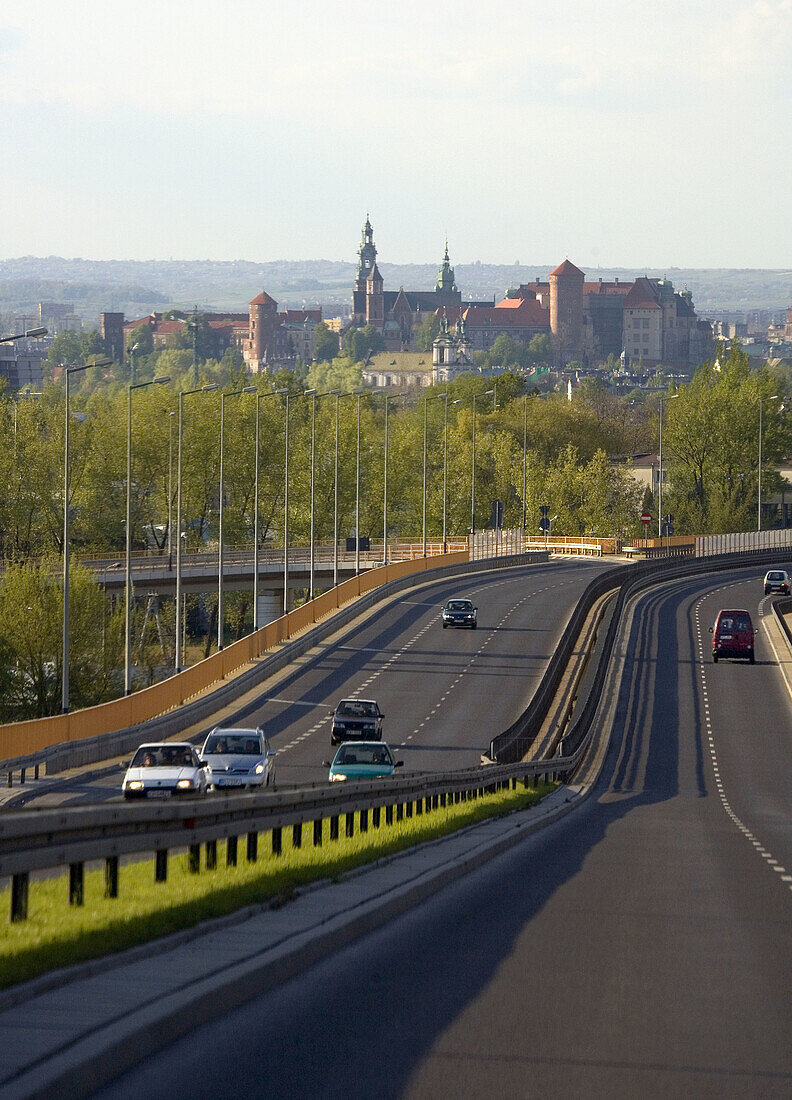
(733, 635)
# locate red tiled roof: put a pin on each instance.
(607, 288)
(263, 299)
(566, 268)
(642, 296)
(530, 312)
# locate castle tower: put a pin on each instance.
(442, 351)
(446, 283)
(263, 313)
(367, 257)
(375, 299)
(566, 310)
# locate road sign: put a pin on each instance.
(667, 530)
(668, 519)
(646, 518)
(544, 509)
(544, 523)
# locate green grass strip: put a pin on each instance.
(57, 934)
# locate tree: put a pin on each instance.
(427, 332)
(65, 350)
(142, 336)
(360, 342)
(325, 343)
(341, 374)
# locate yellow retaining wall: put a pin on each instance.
(19, 738)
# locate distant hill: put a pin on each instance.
(137, 287)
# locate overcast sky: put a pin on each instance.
(615, 132)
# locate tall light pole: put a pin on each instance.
(66, 525)
(223, 398)
(312, 394)
(486, 393)
(171, 415)
(259, 398)
(286, 510)
(338, 397)
(182, 394)
(128, 556)
(525, 463)
(663, 399)
(773, 397)
(427, 399)
(388, 397)
(132, 351)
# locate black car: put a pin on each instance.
(459, 613)
(356, 719)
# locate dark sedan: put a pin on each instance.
(459, 613)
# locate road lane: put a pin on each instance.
(641, 946)
(445, 693)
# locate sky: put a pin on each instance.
(614, 133)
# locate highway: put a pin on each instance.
(641, 946)
(444, 693)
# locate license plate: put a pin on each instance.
(158, 794)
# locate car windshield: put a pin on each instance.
(163, 756)
(354, 708)
(232, 744)
(363, 754)
(459, 605)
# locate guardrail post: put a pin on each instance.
(252, 847)
(364, 821)
(76, 884)
(111, 877)
(211, 855)
(36, 772)
(297, 834)
(194, 859)
(375, 817)
(22, 776)
(277, 841)
(334, 827)
(10, 780)
(19, 897)
(350, 824)
(317, 833)
(161, 865)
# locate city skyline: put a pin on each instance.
(601, 134)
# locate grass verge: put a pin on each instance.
(57, 934)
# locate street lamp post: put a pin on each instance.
(427, 399)
(66, 524)
(388, 397)
(31, 334)
(178, 649)
(223, 399)
(286, 510)
(171, 415)
(663, 399)
(486, 393)
(132, 351)
(525, 462)
(338, 397)
(762, 400)
(259, 398)
(128, 556)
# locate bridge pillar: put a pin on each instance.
(270, 606)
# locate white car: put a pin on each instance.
(164, 769)
(776, 580)
(237, 758)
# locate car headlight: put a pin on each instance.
(337, 777)
(135, 785)
(185, 784)
(259, 769)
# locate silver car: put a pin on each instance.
(164, 769)
(237, 758)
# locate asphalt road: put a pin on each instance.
(444, 693)
(642, 946)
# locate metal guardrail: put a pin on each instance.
(32, 840)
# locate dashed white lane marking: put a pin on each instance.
(757, 845)
(405, 646)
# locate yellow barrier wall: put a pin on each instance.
(19, 738)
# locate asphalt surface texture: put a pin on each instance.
(642, 946)
(445, 693)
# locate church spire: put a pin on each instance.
(445, 276)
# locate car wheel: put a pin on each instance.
(473, 627)
(445, 625)
(767, 591)
(715, 658)
(751, 657)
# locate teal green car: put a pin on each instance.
(362, 760)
